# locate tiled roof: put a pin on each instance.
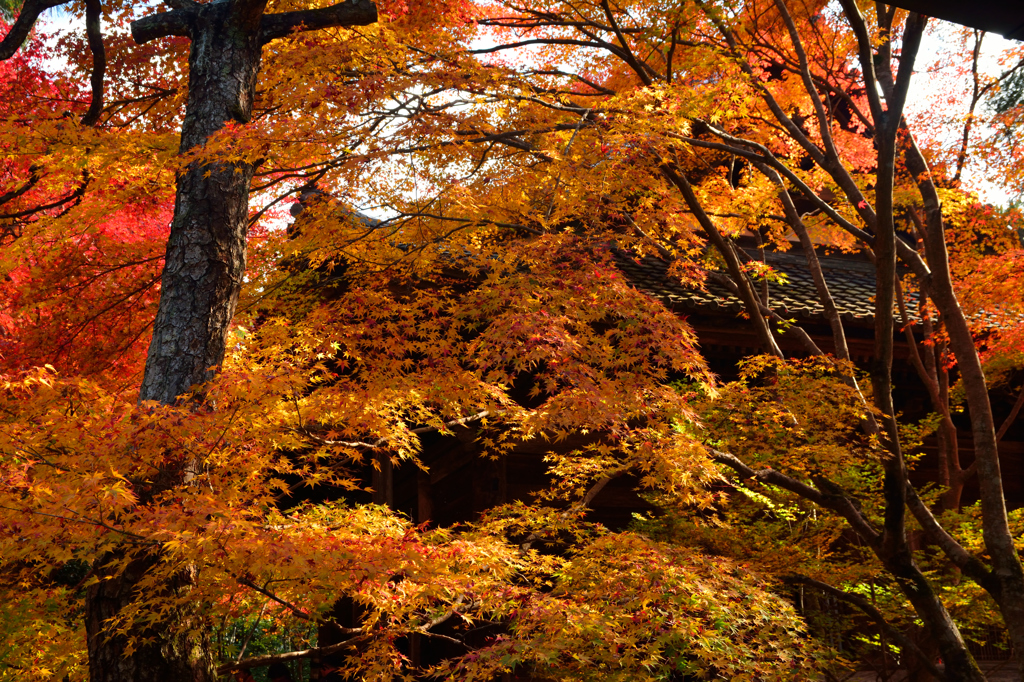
(851, 283)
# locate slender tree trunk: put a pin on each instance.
(1006, 563)
(942, 630)
(894, 548)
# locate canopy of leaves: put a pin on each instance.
(510, 153)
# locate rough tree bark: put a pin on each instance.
(203, 271)
(205, 258)
(184, 657)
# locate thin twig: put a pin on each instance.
(142, 540)
(568, 146)
(252, 631)
(299, 613)
(261, 661)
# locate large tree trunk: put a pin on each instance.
(205, 259)
(182, 656)
(203, 270)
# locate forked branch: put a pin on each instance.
(827, 495)
(261, 661)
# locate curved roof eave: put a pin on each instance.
(1005, 17)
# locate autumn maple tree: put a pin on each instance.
(809, 100)
(512, 154)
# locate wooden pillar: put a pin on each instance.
(424, 497)
(383, 480)
(502, 466)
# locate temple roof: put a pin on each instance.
(851, 282)
(1005, 17)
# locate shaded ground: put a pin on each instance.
(995, 671)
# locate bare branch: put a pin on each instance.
(831, 499)
(296, 611)
(15, 193)
(828, 163)
(912, 35)
(641, 69)
(350, 13)
(1010, 418)
(588, 497)
(757, 152)
(797, 224)
(745, 292)
(133, 538)
(174, 23)
(805, 73)
(976, 94)
(805, 339)
(360, 445)
(867, 62)
(75, 196)
(252, 631)
(972, 567)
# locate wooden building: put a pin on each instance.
(460, 484)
